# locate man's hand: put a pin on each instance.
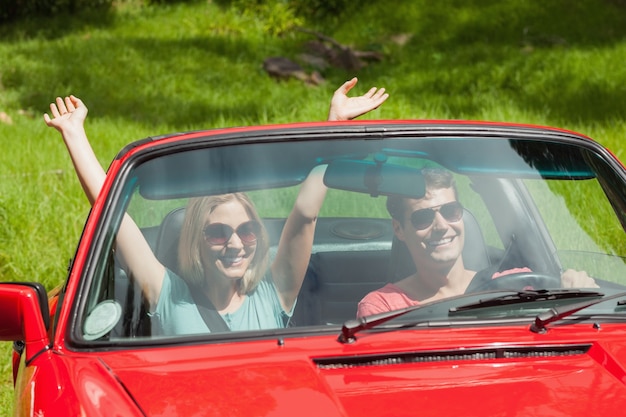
(577, 279)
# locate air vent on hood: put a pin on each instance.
(452, 355)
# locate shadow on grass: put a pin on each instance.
(146, 80)
(461, 23)
(536, 83)
(55, 26)
(469, 55)
(464, 56)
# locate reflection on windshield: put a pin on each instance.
(317, 232)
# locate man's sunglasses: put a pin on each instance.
(219, 233)
(422, 219)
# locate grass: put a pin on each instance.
(151, 70)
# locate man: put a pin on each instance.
(433, 230)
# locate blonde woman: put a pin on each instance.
(223, 249)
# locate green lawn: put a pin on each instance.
(150, 70)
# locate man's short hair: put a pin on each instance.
(434, 178)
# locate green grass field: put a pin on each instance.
(151, 70)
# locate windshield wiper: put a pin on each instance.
(526, 296)
(558, 313)
(352, 327)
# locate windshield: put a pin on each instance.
(266, 237)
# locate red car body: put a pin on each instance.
(497, 366)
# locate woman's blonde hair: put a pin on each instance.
(192, 236)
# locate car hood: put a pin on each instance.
(570, 378)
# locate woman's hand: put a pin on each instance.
(67, 114)
(343, 107)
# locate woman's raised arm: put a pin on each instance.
(68, 117)
(296, 240)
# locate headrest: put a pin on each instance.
(166, 248)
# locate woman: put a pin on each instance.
(223, 250)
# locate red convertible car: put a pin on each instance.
(532, 207)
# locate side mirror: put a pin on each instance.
(24, 316)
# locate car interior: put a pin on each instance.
(352, 256)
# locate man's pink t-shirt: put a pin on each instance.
(388, 298)
(391, 297)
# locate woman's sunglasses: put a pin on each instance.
(219, 233)
(422, 219)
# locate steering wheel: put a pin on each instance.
(517, 281)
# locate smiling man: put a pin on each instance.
(433, 230)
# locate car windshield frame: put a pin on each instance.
(136, 165)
